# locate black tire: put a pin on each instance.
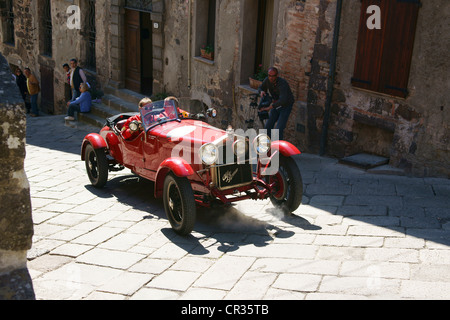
(289, 192)
(179, 204)
(96, 166)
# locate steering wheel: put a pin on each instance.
(150, 114)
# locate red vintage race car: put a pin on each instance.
(193, 163)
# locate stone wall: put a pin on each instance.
(67, 43)
(16, 225)
(414, 132)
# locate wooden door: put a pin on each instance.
(133, 50)
(47, 92)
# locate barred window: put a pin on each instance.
(47, 29)
(90, 36)
(8, 22)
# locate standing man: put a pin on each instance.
(283, 100)
(77, 77)
(67, 88)
(21, 81)
(33, 91)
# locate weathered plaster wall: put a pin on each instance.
(220, 83)
(212, 83)
(419, 124)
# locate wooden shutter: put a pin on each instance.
(369, 48)
(398, 47)
(383, 56)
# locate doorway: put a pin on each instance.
(138, 52)
(47, 89)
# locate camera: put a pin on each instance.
(264, 103)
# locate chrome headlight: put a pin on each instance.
(209, 153)
(134, 126)
(262, 144)
(239, 148)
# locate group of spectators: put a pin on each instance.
(80, 98)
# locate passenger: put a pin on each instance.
(126, 132)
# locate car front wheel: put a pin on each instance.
(179, 204)
(288, 188)
(96, 166)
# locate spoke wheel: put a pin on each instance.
(179, 204)
(96, 166)
(288, 188)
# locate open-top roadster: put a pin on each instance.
(193, 163)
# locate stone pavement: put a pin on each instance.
(356, 235)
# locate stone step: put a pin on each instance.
(102, 110)
(114, 101)
(124, 94)
(119, 104)
(387, 169)
(92, 119)
(364, 160)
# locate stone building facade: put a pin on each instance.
(16, 225)
(153, 47)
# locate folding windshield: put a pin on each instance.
(159, 112)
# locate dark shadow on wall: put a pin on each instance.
(16, 285)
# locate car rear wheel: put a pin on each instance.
(96, 166)
(179, 204)
(288, 188)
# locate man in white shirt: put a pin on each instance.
(77, 77)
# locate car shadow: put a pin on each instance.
(223, 226)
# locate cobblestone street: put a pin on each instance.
(356, 236)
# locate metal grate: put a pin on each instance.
(90, 36)
(47, 28)
(139, 5)
(9, 19)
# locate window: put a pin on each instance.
(46, 21)
(8, 23)
(205, 16)
(90, 35)
(263, 52)
(257, 36)
(383, 56)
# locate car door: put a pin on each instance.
(133, 156)
(151, 149)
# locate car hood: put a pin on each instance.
(188, 131)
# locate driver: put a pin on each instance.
(171, 107)
(126, 132)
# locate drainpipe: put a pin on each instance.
(331, 79)
(189, 44)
